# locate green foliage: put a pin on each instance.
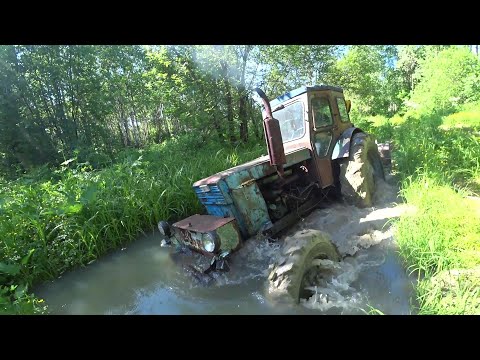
(439, 240)
(106, 140)
(60, 101)
(439, 166)
(290, 66)
(50, 226)
(463, 119)
(451, 292)
(443, 233)
(369, 78)
(447, 79)
(450, 156)
(379, 125)
(372, 311)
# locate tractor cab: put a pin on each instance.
(314, 151)
(306, 131)
(313, 117)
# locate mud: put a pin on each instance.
(146, 278)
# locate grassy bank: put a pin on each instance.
(54, 220)
(437, 159)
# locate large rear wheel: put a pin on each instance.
(360, 173)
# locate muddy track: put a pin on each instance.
(364, 239)
(144, 278)
(352, 228)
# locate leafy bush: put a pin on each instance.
(448, 79)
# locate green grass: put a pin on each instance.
(463, 119)
(72, 215)
(444, 233)
(441, 237)
(438, 164)
(454, 292)
(451, 157)
(55, 220)
(380, 126)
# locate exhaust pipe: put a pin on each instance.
(273, 136)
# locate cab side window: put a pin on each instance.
(342, 109)
(322, 114)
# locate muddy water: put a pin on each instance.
(145, 278)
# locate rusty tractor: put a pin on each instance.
(314, 153)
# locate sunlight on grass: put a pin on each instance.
(438, 163)
(462, 119)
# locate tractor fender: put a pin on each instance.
(342, 146)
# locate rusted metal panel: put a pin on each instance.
(325, 170)
(273, 135)
(251, 205)
(341, 125)
(202, 223)
(229, 236)
(189, 231)
(327, 132)
(256, 168)
(262, 161)
(294, 93)
(233, 178)
(274, 142)
(191, 239)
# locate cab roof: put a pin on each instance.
(301, 90)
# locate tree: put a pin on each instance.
(447, 79)
(286, 67)
(368, 76)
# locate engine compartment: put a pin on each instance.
(286, 195)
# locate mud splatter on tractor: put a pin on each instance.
(314, 152)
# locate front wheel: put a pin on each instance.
(291, 274)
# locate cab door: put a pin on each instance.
(323, 132)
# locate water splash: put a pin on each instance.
(336, 286)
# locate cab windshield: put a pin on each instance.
(291, 121)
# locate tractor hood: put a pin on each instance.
(235, 193)
(255, 169)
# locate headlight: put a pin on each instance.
(210, 242)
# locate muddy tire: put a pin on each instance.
(287, 279)
(360, 173)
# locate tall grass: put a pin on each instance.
(444, 234)
(438, 164)
(449, 156)
(380, 126)
(74, 214)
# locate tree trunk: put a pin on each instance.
(231, 127)
(255, 121)
(228, 98)
(216, 125)
(124, 122)
(243, 98)
(242, 114)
